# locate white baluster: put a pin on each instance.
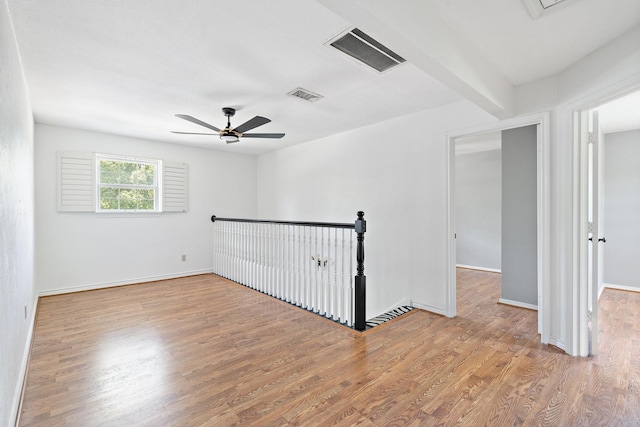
(280, 275)
(234, 253)
(287, 257)
(307, 263)
(238, 252)
(224, 249)
(254, 261)
(341, 310)
(276, 261)
(223, 242)
(245, 255)
(261, 255)
(272, 258)
(335, 311)
(241, 253)
(303, 269)
(321, 274)
(214, 264)
(230, 251)
(300, 264)
(256, 256)
(266, 259)
(267, 263)
(327, 273)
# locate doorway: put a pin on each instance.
(611, 135)
(541, 122)
(495, 202)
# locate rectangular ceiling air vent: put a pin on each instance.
(538, 8)
(307, 95)
(548, 3)
(365, 49)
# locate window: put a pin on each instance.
(129, 185)
(90, 182)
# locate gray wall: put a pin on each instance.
(519, 215)
(478, 206)
(622, 209)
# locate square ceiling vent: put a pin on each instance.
(366, 50)
(305, 94)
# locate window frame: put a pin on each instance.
(156, 187)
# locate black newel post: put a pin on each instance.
(361, 279)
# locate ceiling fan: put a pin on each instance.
(230, 134)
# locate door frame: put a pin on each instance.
(579, 328)
(543, 167)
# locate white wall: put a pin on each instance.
(17, 295)
(361, 170)
(395, 172)
(621, 208)
(87, 250)
(478, 205)
(608, 72)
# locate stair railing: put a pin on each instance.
(308, 264)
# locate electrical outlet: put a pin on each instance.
(184, 257)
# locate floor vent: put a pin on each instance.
(365, 49)
(307, 95)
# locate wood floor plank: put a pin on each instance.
(205, 351)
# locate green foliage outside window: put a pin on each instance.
(127, 185)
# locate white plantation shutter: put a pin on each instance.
(76, 182)
(174, 183)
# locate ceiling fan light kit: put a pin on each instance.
(229, 138)
(229, 134)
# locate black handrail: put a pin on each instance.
(360, 227)
(303, 223)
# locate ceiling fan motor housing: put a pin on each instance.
(228, 111)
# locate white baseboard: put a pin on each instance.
(558, 343)
(518, 304)
(22, 376)
(427, 307)
(475, 267)
(93, 286)
(622, 287)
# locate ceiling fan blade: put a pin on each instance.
(193, 133)
(253, 123)
(196, 121)
(262, 135)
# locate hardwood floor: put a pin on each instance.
(204, 351)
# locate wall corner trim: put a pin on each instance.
(430, 308)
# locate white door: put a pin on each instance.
(596, 237)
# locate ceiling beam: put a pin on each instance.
(414, 31)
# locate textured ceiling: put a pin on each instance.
(128, 66)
